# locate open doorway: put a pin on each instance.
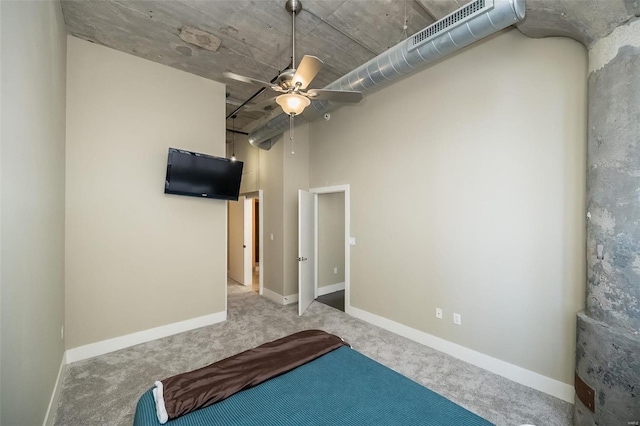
(244, 240)
(324, 270)
(331, 249)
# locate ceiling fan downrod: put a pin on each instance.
(293, 7)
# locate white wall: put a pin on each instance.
(137, 258)
(33, 57)
(467, 193)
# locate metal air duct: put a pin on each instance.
(472, 22)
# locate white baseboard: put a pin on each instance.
(290, 299)
(512, 372)
(111, 345)
(280, 300)
(55, 395)
(330, 289)
(272, 295)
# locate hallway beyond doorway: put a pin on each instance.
(335, 300)
(255, 284)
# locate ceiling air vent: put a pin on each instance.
(448, 22)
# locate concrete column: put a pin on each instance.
(608, 339)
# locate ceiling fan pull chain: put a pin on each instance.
(291, 131)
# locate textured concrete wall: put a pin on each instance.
(613, 181)
(584, 20)
(607, 359)
(608, 343)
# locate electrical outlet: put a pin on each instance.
(335, 269)
(438, 313)
(457, 319)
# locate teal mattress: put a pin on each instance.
(341, 387)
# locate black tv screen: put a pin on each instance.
(200, 175)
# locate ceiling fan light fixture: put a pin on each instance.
(292, 103)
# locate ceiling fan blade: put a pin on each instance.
(250, 80)
(343, 96)
(263, 106)
(307, 69)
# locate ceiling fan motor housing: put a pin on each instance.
(293, 6)
(285, 79)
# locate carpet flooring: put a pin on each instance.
(104, 390)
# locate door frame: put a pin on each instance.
(236, 216)
(260, 237)
(347, 237)
(259, 194)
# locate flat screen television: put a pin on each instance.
(200, 175)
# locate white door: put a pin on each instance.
(235, 237)
(306, 248)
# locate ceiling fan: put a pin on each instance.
(292, 83)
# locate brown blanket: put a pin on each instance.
(200, 388)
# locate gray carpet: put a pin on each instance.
(104, 390)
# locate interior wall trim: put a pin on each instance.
(512, 372)
(111, 345)
(55, 395)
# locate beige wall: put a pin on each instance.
(271, 182)
(250, 182)
(32, 213)
(296, 176)
(281, 175)
(249, 155)
(137, 258)
(467, 193)
(330, 238)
